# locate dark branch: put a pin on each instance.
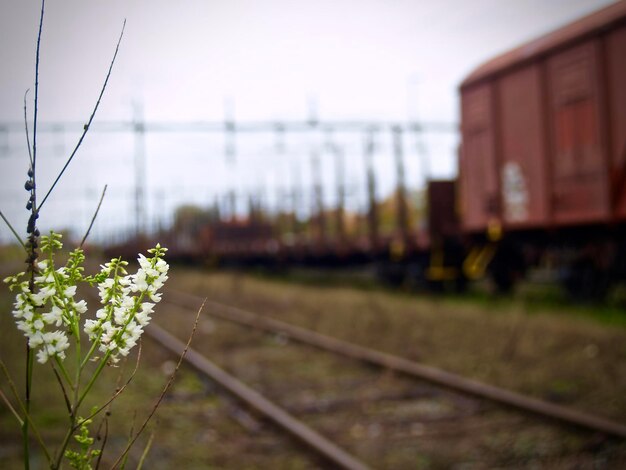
(164, 391)
(17, 237)
(30, 154)
(88, 125)
(93, 219)
(37, 85)
(117, 393)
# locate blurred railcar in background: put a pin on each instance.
(542, 168)
(542, 184)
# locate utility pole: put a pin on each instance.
(402, 215)
(295, 199)
(414, 124)
(372, 208)
(140, 169)
(230, 135)
(318, 199)
(341, 193)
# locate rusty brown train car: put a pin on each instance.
(542, 182)
(543, 156)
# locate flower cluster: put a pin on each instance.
(46, 311)
(40, 311)
(126, 309)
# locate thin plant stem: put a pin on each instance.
(92, 381)
(17, 237)
(30, 153)
(130, 436)
(34, 162)
(64, 444)
(86, 126)
(10, 407)
(165, 389)
(25, 427)
(104, 440)
(76, 331)
(33, 238)
(93, 219)
(5, 371)
(117, 393)
(103, 361)
(93, 347)
(27, 417)
(145, 451)
(64, 373)
(68, 405)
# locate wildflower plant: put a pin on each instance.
(52, 315)
(51, 318)
(61, 333)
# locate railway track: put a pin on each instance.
(388, 418)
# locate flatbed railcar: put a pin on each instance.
(542, 181)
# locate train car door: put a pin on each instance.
(616, 67)
(580, 193)
(478, 168)
(523, 170)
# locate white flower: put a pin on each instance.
(90, 328)
(54, 316)
(143, 262)
(140, 283)
(80, 306)
(119, 323)
(54, 344)
(35, 340)
(69, 291)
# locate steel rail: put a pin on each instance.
(405, 366)
(297, 428)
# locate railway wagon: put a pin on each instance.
(542, 166)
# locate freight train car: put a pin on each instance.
(542, 168)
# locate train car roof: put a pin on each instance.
(578, 30)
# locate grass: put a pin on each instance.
(536, 298)
(544, 350)
(555, 352)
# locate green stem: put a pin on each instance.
(68, 404)
(11, 409)
(64, 372)
(77, 402)
(78, 359)
(93, 379)
(89, 354)
(29, 381)
(66, 441)
(145, 452)
(27, 417)
(17, 237)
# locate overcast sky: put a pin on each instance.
(181, 61)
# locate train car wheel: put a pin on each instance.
(585, 282)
